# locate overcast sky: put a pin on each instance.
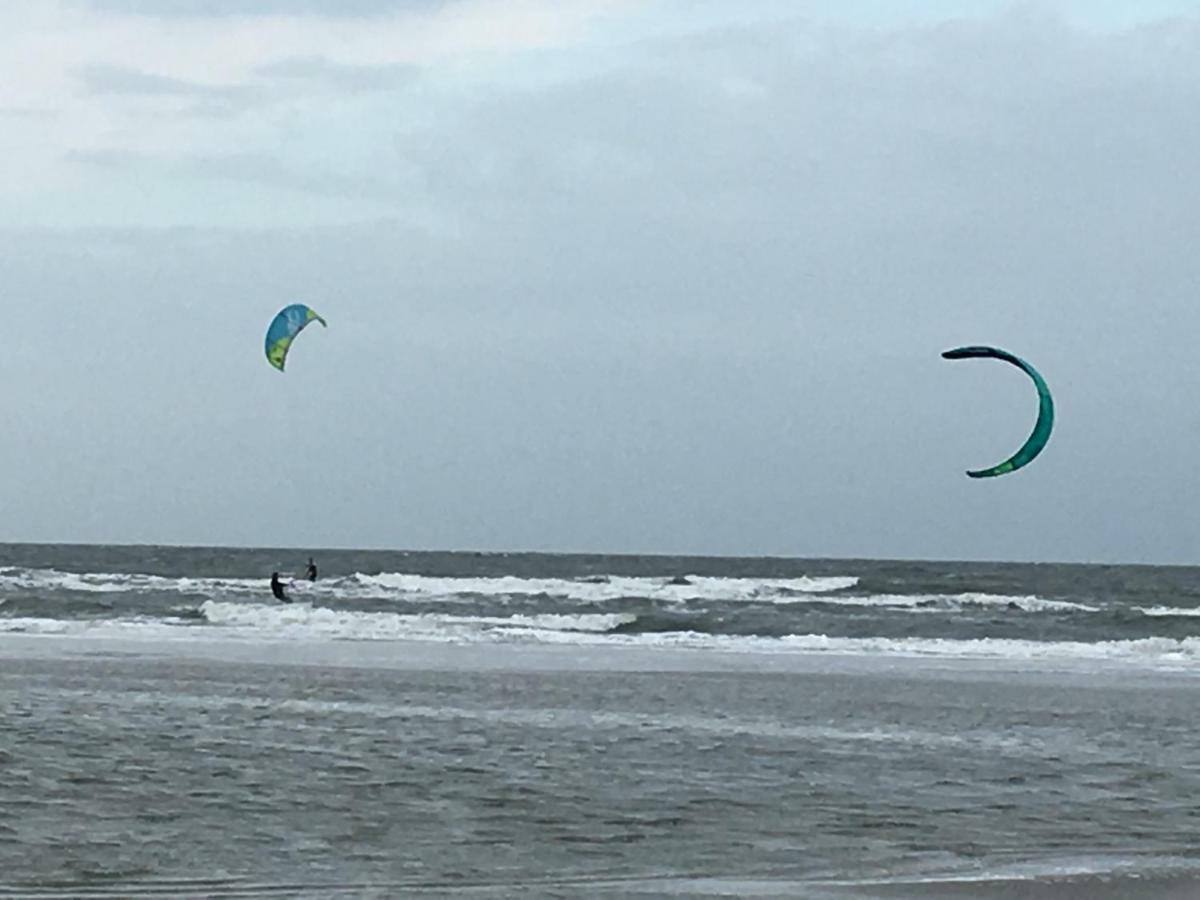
(602, 275)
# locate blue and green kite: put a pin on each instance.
(283, 329)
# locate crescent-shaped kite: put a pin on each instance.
(1045, 419)
(289, 322)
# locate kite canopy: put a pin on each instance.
(283, 329)
(1045, 419)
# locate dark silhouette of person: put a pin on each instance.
(277, 589)
(311, 572)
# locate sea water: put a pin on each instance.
(514, 724)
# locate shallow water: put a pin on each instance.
(375, 779)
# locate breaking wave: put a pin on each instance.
(301, 622)
(402, 586)
(1169, 611)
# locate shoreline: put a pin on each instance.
(434, 656)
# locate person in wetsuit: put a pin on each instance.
(311, 572)
(277, 589)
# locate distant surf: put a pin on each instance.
(951, 611)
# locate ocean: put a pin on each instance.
(512, 724)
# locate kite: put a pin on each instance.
(1045, 419)
(283, 329)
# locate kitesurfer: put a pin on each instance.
(311, 572)
(277, 589)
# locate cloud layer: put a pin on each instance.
(599, 280)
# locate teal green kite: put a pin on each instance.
(283, 329)
(1045, 419)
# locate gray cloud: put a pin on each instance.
(350, 78)
(695, 304)
(218, 8)
(108, 159)
(279, 82)
(122, 80)
(938, 153)
(27, 112)
(248, 168)
(263, 169)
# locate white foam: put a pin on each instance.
(1169, 610)
(1006, 648)
(952, 602)
(301, 622)
(306, 621)
(113, 583)
(140, 628)
(600, 588)
(402, 586)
